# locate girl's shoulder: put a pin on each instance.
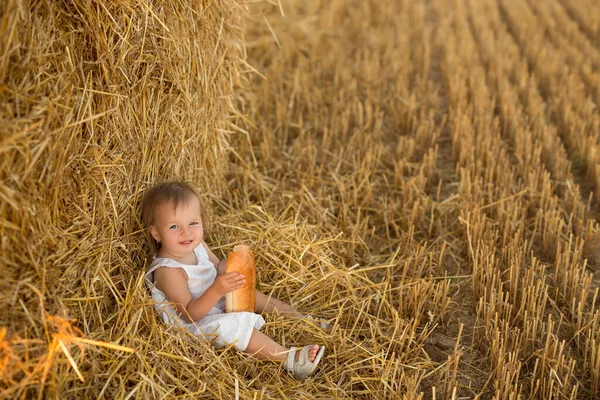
(163, 262)
(161, 266)
(160, 262)
(165, 272)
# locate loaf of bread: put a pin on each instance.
(243, 299)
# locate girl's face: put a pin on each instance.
(179, 230)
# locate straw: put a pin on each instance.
(421, 175)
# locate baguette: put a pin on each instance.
(243, 299)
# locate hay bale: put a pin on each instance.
(98, 99)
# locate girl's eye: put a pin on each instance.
(194, 223)
(173, 227)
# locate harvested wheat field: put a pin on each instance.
(423, 175)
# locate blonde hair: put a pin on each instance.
(170, 192)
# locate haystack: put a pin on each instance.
(98, 99)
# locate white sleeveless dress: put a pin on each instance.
(223, 328)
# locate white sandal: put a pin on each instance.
(303, 367)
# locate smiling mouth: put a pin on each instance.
(186, 242)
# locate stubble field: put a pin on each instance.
(453, 145)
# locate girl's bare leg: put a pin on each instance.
(265, 303)
(263, 347)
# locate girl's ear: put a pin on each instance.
(154, 233)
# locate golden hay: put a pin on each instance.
(422, 175)
(98, 100)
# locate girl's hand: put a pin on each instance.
(228, 282)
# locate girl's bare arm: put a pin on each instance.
(173, 283)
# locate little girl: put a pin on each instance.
(188, 282)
